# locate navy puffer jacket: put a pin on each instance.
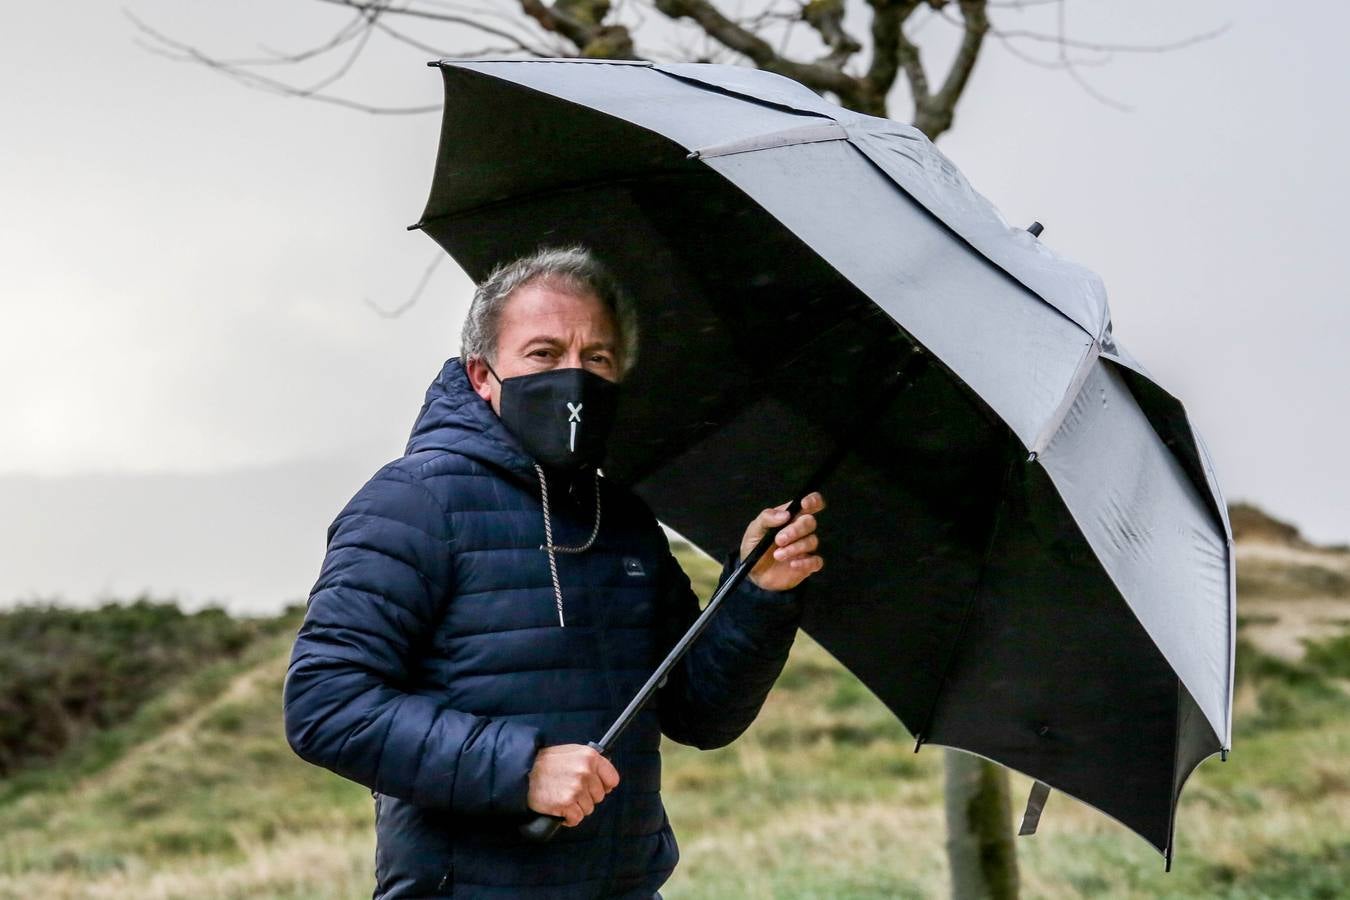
(431, 665)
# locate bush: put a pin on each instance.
(1330, 657)
(1293, 695)
(67, 672)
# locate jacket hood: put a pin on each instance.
(453, 417)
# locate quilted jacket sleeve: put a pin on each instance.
(720, 685)
(348, 701)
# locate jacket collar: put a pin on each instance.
(453, 417)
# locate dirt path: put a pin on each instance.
(1280, 627)
(179, 735)
(1283, 553)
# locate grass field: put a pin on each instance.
(196, 794)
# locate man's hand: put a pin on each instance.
(569, 780)
(793, 556)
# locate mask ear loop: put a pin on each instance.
(490, 369)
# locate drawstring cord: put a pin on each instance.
(553, 548)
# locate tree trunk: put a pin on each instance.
(980, 851)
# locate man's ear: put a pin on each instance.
(477, 371)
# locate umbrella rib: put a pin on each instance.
(788, 137)
(1172, 792)
(1080, 375)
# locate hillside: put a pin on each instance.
(1290, 591)
(823, 798)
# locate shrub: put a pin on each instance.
(67, 672)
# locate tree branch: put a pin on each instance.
(354, 28)
(1100, 47)
(416, 295)
(890, 52)
(382, 7)
(1063, 43)
(582, 23)
(178, 51)
(592, 28)
(367, 21)
(440, 52)
(726, 32)
(935, 114)
(827, 18)
(1073, 70)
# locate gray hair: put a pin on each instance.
(573, 269)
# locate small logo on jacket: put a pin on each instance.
(633, 566)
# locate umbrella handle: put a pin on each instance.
(542, 828)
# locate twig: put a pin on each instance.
(416, 294)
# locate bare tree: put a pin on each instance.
(858, 64)
(815, 42)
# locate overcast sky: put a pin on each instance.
(184, 263)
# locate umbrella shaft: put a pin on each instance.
(658, 677)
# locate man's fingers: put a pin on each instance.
(804, 524)
(813, 502)
(569, 780)
(797, 548)
(609, 776)
(791, 528)
(773, 517)
(766, 521)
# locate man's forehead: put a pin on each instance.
(544, 313)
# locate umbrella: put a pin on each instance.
(1030, 558)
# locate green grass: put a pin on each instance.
(197, 795)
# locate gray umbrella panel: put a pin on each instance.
(1027, 332)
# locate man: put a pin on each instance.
(489, 603)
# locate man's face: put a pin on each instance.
(543, 328)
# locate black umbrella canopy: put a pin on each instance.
(1028, 555)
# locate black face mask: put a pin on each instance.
(561, 417)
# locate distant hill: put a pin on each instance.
(1252, 523)
(1275, 561)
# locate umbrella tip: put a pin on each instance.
(1035, 228)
